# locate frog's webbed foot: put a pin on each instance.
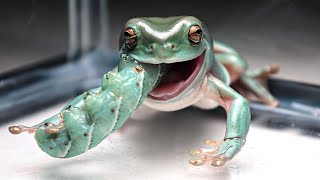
(220, 154)
(253, 84)
(263, 73)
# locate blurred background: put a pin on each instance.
(152, 144)
(264, 32)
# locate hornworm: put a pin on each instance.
(84, 122)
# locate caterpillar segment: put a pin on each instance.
(89, 118)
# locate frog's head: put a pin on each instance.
(182, 45)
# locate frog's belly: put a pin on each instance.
(180, 102)
(206, 103)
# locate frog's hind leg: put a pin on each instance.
(250, 84)
(231, 60)
(254, 81)
(264, 72)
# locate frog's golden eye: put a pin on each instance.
(195, 34)
(130, 38)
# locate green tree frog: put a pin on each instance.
(167, 64)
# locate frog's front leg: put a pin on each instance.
(238, 112)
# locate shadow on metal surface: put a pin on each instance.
(299, 105)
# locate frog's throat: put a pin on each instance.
(179, 76)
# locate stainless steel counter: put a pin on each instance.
(155, 145)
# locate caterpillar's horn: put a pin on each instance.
(19, 129)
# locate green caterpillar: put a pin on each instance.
(84, 122)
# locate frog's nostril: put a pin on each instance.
(172, 46)
(151, 47)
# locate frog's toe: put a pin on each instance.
(207, 155)
(218, 156)
(203, 152)
(228, 149)
(218, 161)
(201, 156)
(197, 162)
(264, 72)
(213, 143)
(274, 103)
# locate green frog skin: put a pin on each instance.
(167, 64)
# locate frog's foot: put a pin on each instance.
(263, 73)
(253, 84)
(220, 154)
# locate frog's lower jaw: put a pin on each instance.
(182, 101)
(180, 75)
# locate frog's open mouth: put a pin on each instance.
(179, 76)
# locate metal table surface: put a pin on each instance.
(155, 145)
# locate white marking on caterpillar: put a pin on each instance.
(115, 120)
(140, 86)
(90, 136)
(67, 149)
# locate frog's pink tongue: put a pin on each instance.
(177, 79)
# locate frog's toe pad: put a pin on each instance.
(219, 155)
(212, 143)
(218, 161)
(197, 162)
(201, 156)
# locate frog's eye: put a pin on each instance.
(195, 34)
(130, 38)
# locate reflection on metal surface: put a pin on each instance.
(32, 88)
(299, 105)
(29, 88)
(314, 111)
(73, 30)
(156, 145)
